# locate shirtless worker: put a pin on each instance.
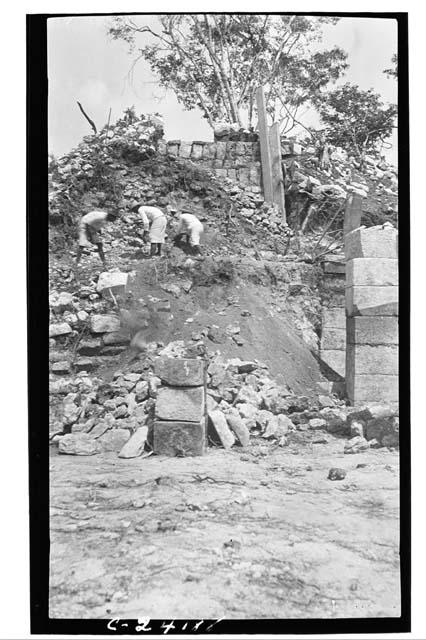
(190, 229)
(89, 232)
(154, 225)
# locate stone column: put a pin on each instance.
(371, 294)
(180, 409)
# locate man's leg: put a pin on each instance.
(79, 254)
(159, 247)
(153, 249)
(101, 253)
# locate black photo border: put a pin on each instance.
(38, 369)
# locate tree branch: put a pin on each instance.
(92, 124)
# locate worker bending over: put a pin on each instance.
(190, 229)
(89, 231)
(154, 226)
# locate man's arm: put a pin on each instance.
(145, 220)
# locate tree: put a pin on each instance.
(393, 73)
(355, 119)
(215, 62)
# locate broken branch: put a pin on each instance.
(92, 124)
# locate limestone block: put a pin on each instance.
(220, 425)
(197, 151)
(231, 148)
(115, 338)
(90, 347)
(332, 338)
(254, 176)
(180, 372)
(372, 388)
(334, 317)
(179, 438)
(221, 172)
(135, 445)
(78, 444)
(104, 324)
(180, 404)
(237, 425)
(240, 149)
(173, 149)
(220, 150)
(243, 176)
(335, 359)
(115, 282)
(371, 301)
(209, 151)
(114, 439)
(185, 149)
(372, 272)
(371, 359)
(372, 242)
(161, 147)
(334, 266)
(60, 329)
(86, 364)
(231, 173)
(374, 330)
(217, 164)
(61, 368)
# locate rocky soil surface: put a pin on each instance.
(255, 532)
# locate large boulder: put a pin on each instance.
(104, 324)
(78, 444)
(114, 439)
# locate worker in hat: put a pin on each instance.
(154, 225)
(90, 231)
(189, 230)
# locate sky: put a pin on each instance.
(84, 64)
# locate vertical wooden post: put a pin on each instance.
(265, 151)
(353, 213)
(276, 168)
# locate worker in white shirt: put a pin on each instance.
(89, 231)
(190, 229)
(154, 225)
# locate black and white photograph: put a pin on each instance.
(219, 201)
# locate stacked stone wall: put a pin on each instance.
(180, 409)
(237, 160)
(372, 315)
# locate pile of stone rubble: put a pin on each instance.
(176, 405)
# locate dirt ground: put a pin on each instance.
(246, 533)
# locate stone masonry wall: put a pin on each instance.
(372, 314)
(237, 160)
(180, 410)
(333, 320)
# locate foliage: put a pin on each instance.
(393, 73)
(91, 167)
(355, 119)
(216, 62)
